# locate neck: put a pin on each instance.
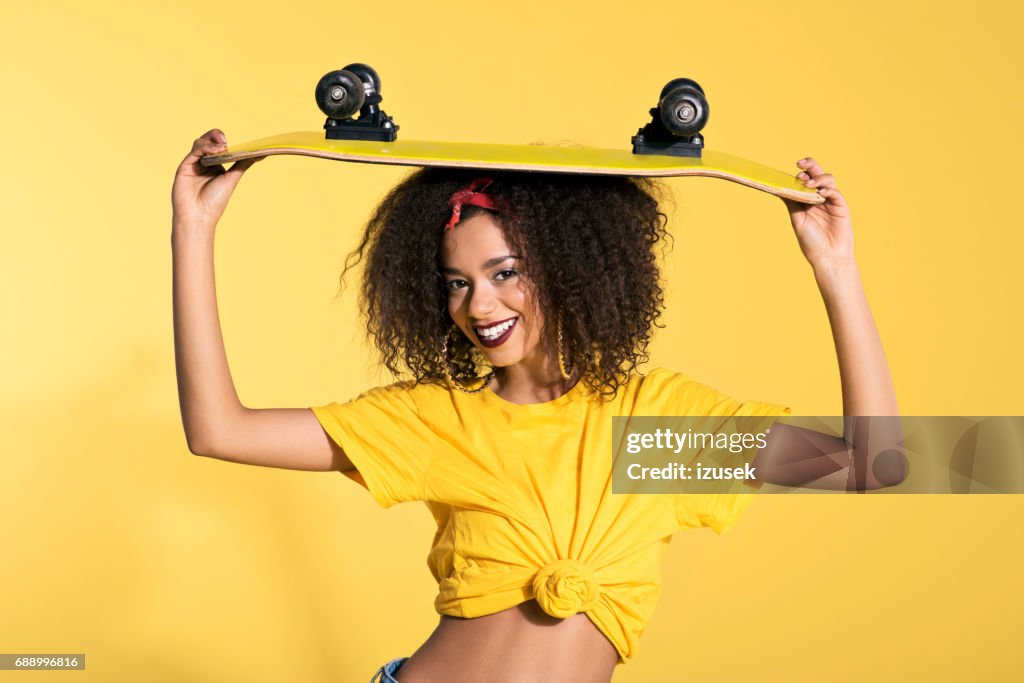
(531, 383)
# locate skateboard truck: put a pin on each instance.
(356, 88)
(676, 122)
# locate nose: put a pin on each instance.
(481, 301)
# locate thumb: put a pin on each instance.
(234, 174)
(793, 207)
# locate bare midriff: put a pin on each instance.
(522, 644)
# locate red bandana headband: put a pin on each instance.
(473, 196)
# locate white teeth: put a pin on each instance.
(496, 331)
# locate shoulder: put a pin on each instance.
(666, 392)
(657, 376)
(659, 380)
(662, 391)
(407, 389)
(407, 395)
(643, 392)
(392, 413)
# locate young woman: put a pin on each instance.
(551, 281)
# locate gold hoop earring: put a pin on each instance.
(566, 374)
(446, 362)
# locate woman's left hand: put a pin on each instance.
(824, 231)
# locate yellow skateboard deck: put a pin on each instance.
(581, 160)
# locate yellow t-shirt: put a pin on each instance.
(522, 494)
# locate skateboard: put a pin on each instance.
(670, 144)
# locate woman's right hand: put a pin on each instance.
(200, 193)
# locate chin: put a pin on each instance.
(502, 360)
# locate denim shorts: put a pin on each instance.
(388, 671)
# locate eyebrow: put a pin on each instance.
(490, 263)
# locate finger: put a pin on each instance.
(234, 174)
(833, 197)
(210, 142)
(810, 166)
(244, 165)
(211, 138)
(212, 135)
(823, 180)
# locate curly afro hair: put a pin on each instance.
(588, 247)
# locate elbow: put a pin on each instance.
(879, 458)
(889, 467)
(204, 437)
(211, 438)
(197, 449)
(197, 446)
(879, 470)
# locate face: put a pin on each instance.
(489, 298)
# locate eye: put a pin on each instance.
(453, 285)
(505, 274)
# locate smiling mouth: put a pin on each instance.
(495, 335)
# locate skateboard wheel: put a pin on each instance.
(339, 94)
(677, 83)
(367, 74)
(683, 111)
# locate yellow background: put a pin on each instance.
(162, 566)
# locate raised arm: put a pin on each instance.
(215, 421)
(868, 455)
